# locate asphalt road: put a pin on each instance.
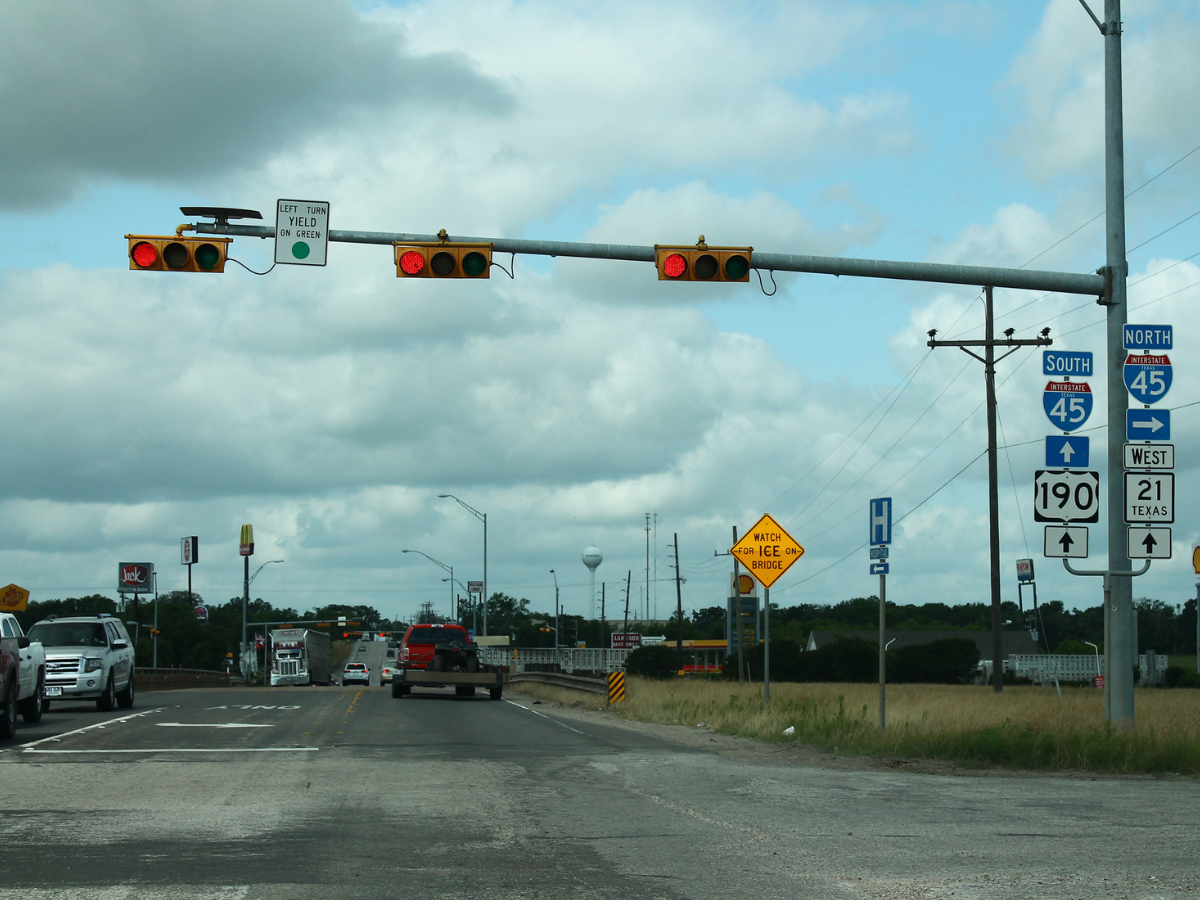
(344, 792)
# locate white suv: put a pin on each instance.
(87, 658)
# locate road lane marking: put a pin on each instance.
(59, 737)
(544, 716)
(211, 725)
(187, 750)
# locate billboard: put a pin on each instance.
(135, 578)
(626, 640)
(189, 550)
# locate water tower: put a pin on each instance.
(592, 557)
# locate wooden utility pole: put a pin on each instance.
(678, 602)
(989, 360)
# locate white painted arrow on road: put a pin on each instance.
(209, 725)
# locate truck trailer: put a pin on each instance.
(299, 656)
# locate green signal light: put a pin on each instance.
(474, 264)
(207, 256)
(300, 250)
(737, 267)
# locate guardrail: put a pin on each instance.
(593, 685)
(148, 679)
(567, 659)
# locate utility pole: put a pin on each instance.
(628, 584)
(989, 360)
(647, 566)
(602, 615)
(737, 612)
(678, 602)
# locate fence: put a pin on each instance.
(565, 659)
(1079, 667)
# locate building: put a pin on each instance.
(1012, 642)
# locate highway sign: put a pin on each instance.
(1147, 424)
(1025, 570)
(1065, 451)
(1066, 496)
(13, 598)
(880, 568)
(301, 232)
(1150, 497)
(1067, 403)
(1147, 377)
(1065, 542)
(1067, 364)
(1149, 456)
(767, 551)
(626, 640)
(880, 510)
(1148, 337)
(879, 553)
(474, 587)
(1149, 543)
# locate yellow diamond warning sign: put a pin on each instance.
(767, 551)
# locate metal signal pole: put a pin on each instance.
(989, 360)
(679, 602)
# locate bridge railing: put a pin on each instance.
(567, 659)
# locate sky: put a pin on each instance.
(330, 407)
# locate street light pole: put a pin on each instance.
(481, 516)
(556, 622)
(246, 598)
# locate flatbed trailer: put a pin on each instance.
(490, 678)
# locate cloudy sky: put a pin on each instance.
(329, 407)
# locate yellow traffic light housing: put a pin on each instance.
(176, 253)
(702, 262)
(443, 259)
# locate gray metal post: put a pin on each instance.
(485, 587)
(882, 651)
(737, 612)
(766, 645)
(1118, 686)
(678, 603)
(155, 641)
(1198, 627)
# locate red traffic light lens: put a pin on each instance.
(674, 266)
(144, 254)
(411, 262)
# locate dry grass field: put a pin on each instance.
(1031, 727)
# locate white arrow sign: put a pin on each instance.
(1152, 424)
(1149, 543)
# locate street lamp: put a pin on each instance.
(454, 614)
(449, 569)
(556, 623)
(246, 604)
(482, 517)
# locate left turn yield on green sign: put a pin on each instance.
(301, 232)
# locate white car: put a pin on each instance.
(32, 669)
(357, 673)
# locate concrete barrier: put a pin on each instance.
(146, 679)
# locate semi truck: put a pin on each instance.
(299, 656)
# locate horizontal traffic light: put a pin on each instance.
(156, 253)
(702, 263)
(443, 259)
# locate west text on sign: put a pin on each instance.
(1149, 456)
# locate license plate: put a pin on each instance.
(52, 692)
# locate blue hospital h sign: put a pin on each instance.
(881, 520)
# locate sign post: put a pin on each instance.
(880, 513)
(767, 551)
(189, 553)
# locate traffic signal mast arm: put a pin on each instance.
(1091, 284)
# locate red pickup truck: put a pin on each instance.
(443, 655)
(10, 686)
